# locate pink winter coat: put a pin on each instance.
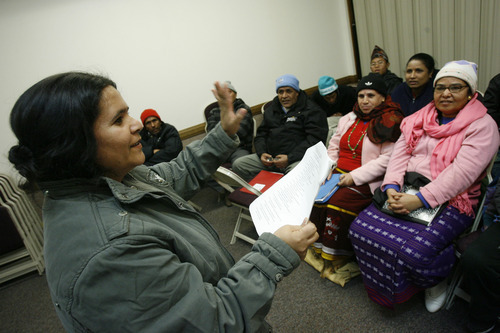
(480, 145)
(374, 157)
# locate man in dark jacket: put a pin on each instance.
(336, 101)
(481, 268)
(492, 98)
(245, 132)
(291, 124)
(333, 99)
(160, 141)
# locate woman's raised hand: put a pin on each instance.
(229, 120)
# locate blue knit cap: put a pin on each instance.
(287, 80)
(327, 85)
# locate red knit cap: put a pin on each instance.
(149, 113)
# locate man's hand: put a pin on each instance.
(267, 159)
(229, 120)
(281, 161)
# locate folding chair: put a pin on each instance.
(454, 288)
(206, 113)
(234, 184)
(265, 106)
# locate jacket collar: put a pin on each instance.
(128, 191)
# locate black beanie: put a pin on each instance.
(372, 81)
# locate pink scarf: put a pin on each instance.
(451, 137)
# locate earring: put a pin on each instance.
(469, 97)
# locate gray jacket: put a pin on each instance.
(135, 257)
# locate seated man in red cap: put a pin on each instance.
(160, 141)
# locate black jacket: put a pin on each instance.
(391, 81)
(245, 132)
(292, 133)
(346, 97)
(492, 98)
(168, 141)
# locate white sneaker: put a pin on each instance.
(435, 297)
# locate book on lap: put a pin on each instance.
(421, 215)
(327, 189)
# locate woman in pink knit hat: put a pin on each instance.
(448, 144)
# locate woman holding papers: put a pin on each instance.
(450, 142)
(124, 251)
(360, 150)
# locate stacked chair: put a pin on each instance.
(18, 210)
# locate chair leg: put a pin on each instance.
(195, 206)
(457, 291)
(236, 233)
(451, 289)
(236, 227)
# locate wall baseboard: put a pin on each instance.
(200, 128)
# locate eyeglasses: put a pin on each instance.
(380, 63)
(454, 88)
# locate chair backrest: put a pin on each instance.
(480, 210)
(254, 128)
(265, 106)
(206, 112)
(230, 180)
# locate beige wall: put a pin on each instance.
(166, 54)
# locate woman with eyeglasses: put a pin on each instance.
(417, 90)
(380, 64)
(450, 142)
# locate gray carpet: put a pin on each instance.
(303, 303)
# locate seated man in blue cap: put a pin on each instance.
(336, 101)
(291, 124)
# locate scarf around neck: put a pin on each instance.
(450, 136)
(384, 121)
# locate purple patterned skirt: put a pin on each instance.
(398, 258)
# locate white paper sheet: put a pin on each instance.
(290, 200)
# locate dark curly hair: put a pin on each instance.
(53, 121)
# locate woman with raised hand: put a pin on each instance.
(451, 142)
(417, 90)
(360, 150)
(123, 249)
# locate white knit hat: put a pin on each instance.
(462, 69)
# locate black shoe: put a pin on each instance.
(480, 327)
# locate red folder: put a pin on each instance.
(266, 178)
